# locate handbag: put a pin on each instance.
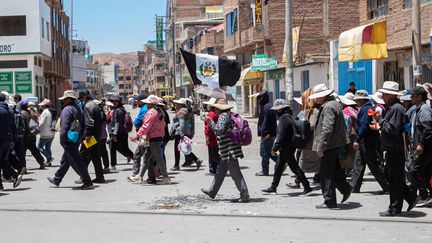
(74, 132)
(33, 127)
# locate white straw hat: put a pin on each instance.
(320, 91)
(377, 97)
(390, 87)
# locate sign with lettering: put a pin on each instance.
(159, 32)
(262, 62)
(5, 48)
(23, 77)
(23, 88)
(258, 11)
(6, 77)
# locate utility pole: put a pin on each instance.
(71, 66)
(289, 67)
(416, 49)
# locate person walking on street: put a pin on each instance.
(283, 148)
(72, 122)
(421, 144)
(392, 142)
(140, 150)
(266, 131)
(104, 137)
(119, 135)
(31, 128)
(152, 129)
(7, 137)
(330, 135)
(46, 132)
(229, 151)
(211, 142)
(366, 145)
(92, 130)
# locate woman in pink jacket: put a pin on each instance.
(153, 130)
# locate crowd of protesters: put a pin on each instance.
(333, 136)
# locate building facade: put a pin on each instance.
(25, 47)
(110, 76)
(126, 82)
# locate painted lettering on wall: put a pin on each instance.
(5, 48)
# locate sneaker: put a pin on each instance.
(198, 164)
(87, 186)
(205, 191)
(99, 180)
(52, 181)
(9, 179)
(150, 181)
(47, 164)
(389, 213)
(269, 190)
(186, 164)
(42, 166)
(422, 202)
(113, 168)
(17, 181)
(136, 179)
(293, 185)
(307, 192)
(325, 206)
(261, 173)
(166, 181)
(78, 181)
(346, 195)
(106, 170)
(241, 200)
(50, 161)
(175, 168)
(414, 203)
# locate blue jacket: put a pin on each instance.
(267, 121)
(7, 128)
(363, 121)
(139, 120)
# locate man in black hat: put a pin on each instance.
(119, 135)
(266, 131)
(93, 128)
(421, 141)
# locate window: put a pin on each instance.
(408, 3)
(43, 28)
(13, 25)
(48, 30)
(231, 23)
(13, 64)
(377, 8)
(121, 86)
(128, 78)
(35, 61)
(120, 78)
(305, 80)
(276, 84)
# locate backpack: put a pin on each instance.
(301, 134)
(19, 123)
(53, 120)
(241, 133)
(33, 127)
(128, 123)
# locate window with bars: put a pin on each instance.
(377, 8)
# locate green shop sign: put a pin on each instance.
(23, 77)
(262, 63)
(279, 74)
(6, 81)
(23, 88)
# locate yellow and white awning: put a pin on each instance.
(365, 42)
(248, 77)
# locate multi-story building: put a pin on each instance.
(126, 82)
(110, 76)
(397, 15)
(57, 68)
(253, 27)
(179, 13)
(25, 47)
(80, 59)
(94, 82)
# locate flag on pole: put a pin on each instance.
(211, 70)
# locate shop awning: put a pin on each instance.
(365, 42)
(248, 77)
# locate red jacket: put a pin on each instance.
(210, 136)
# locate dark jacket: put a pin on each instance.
(118, 121)
(26, 117)
(7, 128)
(284, 133)
(92, 119)
(363, 130)
(166, 138)
(392, 128)
(267, 121)
(423, 127)
(330, 130)
(68, 115)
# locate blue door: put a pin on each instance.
(358, 72)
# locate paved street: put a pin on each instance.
(120, 211)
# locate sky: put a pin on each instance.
(115, 25)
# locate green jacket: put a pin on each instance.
(330, 128)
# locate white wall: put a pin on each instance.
(79, 68)
(33, 42)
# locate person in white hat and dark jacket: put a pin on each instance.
(329, 137)
(392, 142)
(366, 145)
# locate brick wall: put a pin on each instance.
(399, 24)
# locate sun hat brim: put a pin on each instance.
(321, 94)
(181, 102)
(223, 107)
(377, 100)
(391, 92)
(344, 100)
(298, 100)
(64, 97)
(275, 108)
